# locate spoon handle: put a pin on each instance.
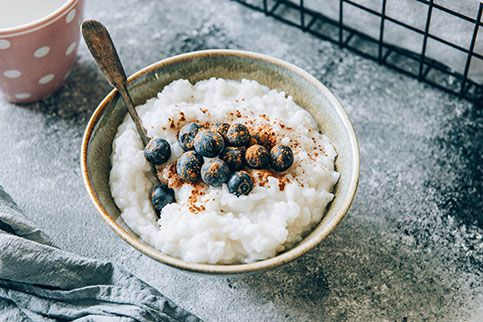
(102, 49)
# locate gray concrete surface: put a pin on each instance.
(411, 247)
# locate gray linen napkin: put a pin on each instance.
(39, 282)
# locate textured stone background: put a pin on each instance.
(411, 247)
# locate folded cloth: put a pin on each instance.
(39, 282)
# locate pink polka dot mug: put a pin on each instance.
(36, 57)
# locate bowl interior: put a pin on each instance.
(306, 91)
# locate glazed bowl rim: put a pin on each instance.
(301, 248)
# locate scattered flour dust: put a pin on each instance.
(208, 224)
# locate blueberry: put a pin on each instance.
(214, 172)
(266, 137)
(188, 166)
(221, 128)
(281, 157)
(238, 135)
(240, 183)
(161, 195)
(233, 157)
(257, 157)
(157, 151)
(208, 144)
(252, 141)
(187, 134)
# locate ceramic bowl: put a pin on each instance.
(35, 58)
(307, 92)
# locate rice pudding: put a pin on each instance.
(209, 224)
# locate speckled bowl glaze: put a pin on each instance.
(307, 92)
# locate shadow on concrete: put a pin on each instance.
(77, 98)
(461, 154)
(304, 279)
(360, 273)
(300, 286)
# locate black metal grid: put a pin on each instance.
(414, 64)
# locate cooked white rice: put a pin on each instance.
(216, 226)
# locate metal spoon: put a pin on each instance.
(102, 49)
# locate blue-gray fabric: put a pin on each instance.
(40, 282)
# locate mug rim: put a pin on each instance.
(38, 23)
(217, 269)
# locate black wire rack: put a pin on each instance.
(414, 64)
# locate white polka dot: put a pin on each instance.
(71, 48)
(22, 96)
(70, 16)
(46, 79)
(12, 73)
(66, 75)
(4, 44)
(42, 51)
